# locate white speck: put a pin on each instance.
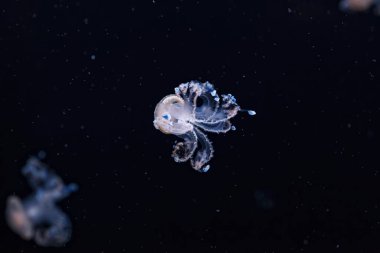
(250, 112)
(233, 128)
(93, 57)
(213, 93)
(205, 169)
(216, 99)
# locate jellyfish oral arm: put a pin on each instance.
(183, 151)
(204, 153)
(218, 127)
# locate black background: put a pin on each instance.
(300, 176)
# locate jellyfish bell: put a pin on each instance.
(356, 5)
(172, 116)
(53, 232)
(17, 218)
(359, 5)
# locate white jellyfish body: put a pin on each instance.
(193, 107)
(37, 217)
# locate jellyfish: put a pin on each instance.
(195, 107)
(360, 5)
(37, 217)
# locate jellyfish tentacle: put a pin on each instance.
(181, 90)
(210, 103)
(184, 150)
(196, 90)
(218, 127)
(59, 231)
(228, 109)
(189, 92)
(203, 154)
(184, 90)
(36, 174)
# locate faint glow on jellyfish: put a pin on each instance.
(360, 5)
(193, 107)
(37, 217)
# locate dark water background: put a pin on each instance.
(80, 80)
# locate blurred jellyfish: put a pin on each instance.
(37, 217)
(193, 107)
(359, 5)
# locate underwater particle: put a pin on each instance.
(195, 107)
(359, 5)
(37, 216)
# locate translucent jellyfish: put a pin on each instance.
(193, 107)
(37, 217)
(360, 5)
